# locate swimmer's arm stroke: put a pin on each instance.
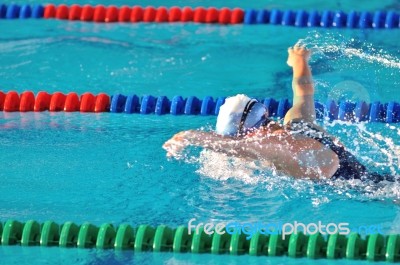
(302, 84)
(271, 149)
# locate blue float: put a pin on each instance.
(393, 112)
(262, 17)
(250, 16)
(346, 111)
(3, 11)
(314, 19)
(13, 11)
(376, 113)
(392, 20)
(272, 106)
(218, 104)
(339, 20)
(25, 11)
(132, 104)
(319, 110)
(353, 19)
(148, 104)
(275, 17)
(301, 18)
(379, 19)
(163, 105)
(331, 110)
(192, 106)
(117, 103)
(283, 108)
(326, 19)
(177, 105)
(365, 20)
(288, 18)
(207, 106)
(37, 11)
(362, 111)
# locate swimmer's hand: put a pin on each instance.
(298, 54)
(177, 143)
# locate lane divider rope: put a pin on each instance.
(375, 247)
(87, 102)
(338, 19)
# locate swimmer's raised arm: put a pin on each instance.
(244, 147)
(302, 84)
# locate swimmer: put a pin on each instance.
(298, 148)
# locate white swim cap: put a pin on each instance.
(231, 120)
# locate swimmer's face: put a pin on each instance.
(256, 117)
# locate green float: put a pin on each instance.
(163, 238)
(393, 248)
(125, 238)
(376, 248)
(220, 243)
(69, 235)
(144, 238)
(336, 248)
(31, 234)
(12, 233)
(182, 240)
(259, 245)
(316, 247)
(297, 245)
(356, 247)
(50, 234)
(201, 242)
(239, 244)
(278, 246)
(87, 236)
(106, 237)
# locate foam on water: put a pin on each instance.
(334, 45)
(372, 148)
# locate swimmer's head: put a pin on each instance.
(239, 114)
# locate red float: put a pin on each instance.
(111, 14)
(224, 16)
(62, 12)
(187, 14)
(2, 98)
(237, 16)
(11, 101)
(124, 14)
(88, 101)
(199, 15)
(149, 14)
(71, 102)
(175, 14)
(137, 14)
(87, 13)
(42, 101)
(57, 102)
(49, 11)
(212, 15)
(162, 15)
(75, 12)
(99, 14)
(27, 101)
(102, 103)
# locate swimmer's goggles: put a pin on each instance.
(254, 116)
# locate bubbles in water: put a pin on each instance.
(350, 66)
(373, 146)
(349, 90)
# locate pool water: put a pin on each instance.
(111, 167)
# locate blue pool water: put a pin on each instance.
(111, 167)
